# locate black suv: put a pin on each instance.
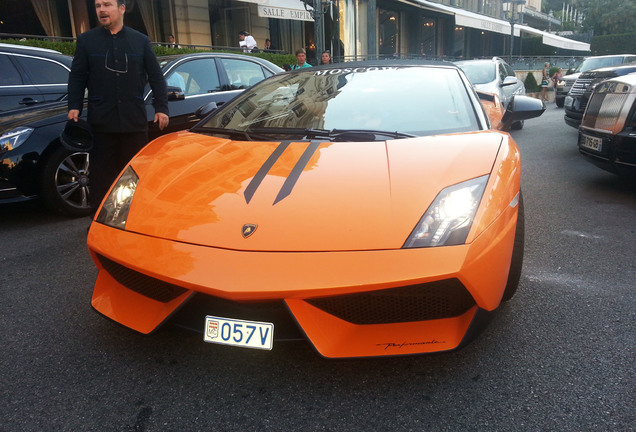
(579, 95)
(31, 76)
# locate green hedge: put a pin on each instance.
(69, 49)
(531, 83)
(614, 44)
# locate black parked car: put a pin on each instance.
(30, 76)
(607, 134)
(565, 83)
(579, 95)
(33, 163)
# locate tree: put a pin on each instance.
(608, 16)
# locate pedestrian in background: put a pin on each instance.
(172, 43)
(555, 80)
(112, 61)
(325, 58)
(544, 82)
(247, 41)
(301, 58)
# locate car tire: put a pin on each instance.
(560, 102)
(514, 274)
(64, 187)
(517, 125)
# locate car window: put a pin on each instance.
(597, 63)
(479, 72)
(502, 72)
(9, 74)
(44, 71)
(198, 76)
(241, 73)
(509, 70)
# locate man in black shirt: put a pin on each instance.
(114, 63)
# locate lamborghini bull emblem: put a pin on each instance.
(248, 230)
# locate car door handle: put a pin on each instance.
(29, 101)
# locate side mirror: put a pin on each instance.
(205, 110)
(521, 108)
(175, 93)
(509, 80)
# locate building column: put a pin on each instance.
(372, 29)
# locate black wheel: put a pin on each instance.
(65, 183)
(514, 275)
(560, 102)
(517, 125)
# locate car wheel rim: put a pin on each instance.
(72, 181)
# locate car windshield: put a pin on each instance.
(597, 63)
(479, 72)
(379, 101)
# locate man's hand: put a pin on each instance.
(73, 114)
(162, 119)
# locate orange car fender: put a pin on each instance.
(495, 223)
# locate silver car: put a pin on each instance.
(494, 76)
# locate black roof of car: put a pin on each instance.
(36, 51)
(168, 59)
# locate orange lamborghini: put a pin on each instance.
(372, 209)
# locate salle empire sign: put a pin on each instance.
(284, 13)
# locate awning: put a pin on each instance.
(283, 9)
(469, 19)
(482, 22)
(552, 39)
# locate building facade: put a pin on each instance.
(350, 29)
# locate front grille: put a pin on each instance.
(603, 111)
(140, 283)
(579, 87)
(422, 302)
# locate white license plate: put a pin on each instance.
(592, 143)
(568, 101)
(246, 334)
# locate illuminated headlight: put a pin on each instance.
(14, 138)
(115, 209)
(449, 218)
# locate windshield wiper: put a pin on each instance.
(339, 133)
(334, 134)
(232, 133)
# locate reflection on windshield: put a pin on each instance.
(414, 100)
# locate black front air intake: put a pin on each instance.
(434, 300)
(140, 283)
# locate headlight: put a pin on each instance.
(115, 209)
(14, 138)
(449, 218)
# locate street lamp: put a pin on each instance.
(319, 8)
(513, 6)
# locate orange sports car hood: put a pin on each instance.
(298, 196)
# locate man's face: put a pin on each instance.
(241, 37)
(301, 58)
(109, 14)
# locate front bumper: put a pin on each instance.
(143, 281)
(617, 154)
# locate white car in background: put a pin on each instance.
(494, 76)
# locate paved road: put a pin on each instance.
(558, 357)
